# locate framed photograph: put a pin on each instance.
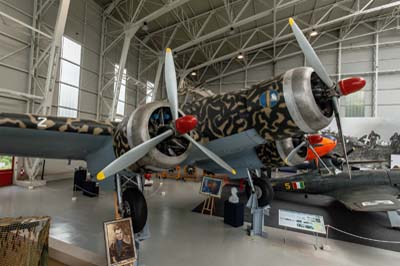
(211, 186)
(120, 242)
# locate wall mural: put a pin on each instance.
(371, 138)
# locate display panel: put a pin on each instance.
(302, 221)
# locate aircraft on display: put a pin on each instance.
(367, 190)
(269, 125)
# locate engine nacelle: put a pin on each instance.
(286, 146)
(146, 122)
(274, 153)
(306, 100)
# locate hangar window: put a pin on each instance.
(70, 68)
(122, 92)
(149, 91)
(355, 104)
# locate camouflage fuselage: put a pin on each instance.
(53, 123)
(227, 114)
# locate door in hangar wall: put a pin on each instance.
(6, 170)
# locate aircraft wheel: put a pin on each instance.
(135, 206)
(264, 191)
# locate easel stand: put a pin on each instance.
(209, 206)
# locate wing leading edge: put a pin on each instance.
(30, 135)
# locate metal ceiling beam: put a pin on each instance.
(130, 32)
(111, 7)
(287, 36)
(54, 57)
(261, 27)
(206, 13)
(236, 24)
(317, 48)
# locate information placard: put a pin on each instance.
(302, 221)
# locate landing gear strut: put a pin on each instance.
(131, 202)
(263, 190)
(260, 194)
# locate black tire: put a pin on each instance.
(264, 187)
(135, 206)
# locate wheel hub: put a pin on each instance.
(258, 192)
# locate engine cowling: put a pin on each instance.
(274, 153)
(146, 122)
(306, 100)
(286, 146)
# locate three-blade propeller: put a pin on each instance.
(345, 87)
(182, 126)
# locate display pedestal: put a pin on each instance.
(233, 213)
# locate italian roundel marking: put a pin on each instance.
(269, 98)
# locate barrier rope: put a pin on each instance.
(361, 237)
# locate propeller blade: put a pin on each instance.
(211, 155)
(170, 82)
(339, 126)
(310, 54)
(132, 155)
(294, 152)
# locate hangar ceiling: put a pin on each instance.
(208, 35)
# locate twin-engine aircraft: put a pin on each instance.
(269, 125)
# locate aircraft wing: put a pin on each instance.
(238, 150)
(49, 137)
(369, 198)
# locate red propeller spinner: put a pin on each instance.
(351, 85)
(314, 139)
(185, 124)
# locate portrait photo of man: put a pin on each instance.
(120, 242)
(211, 186)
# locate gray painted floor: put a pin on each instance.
(179, 236)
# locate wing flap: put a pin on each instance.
(369, 198)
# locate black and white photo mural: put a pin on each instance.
(368, 139)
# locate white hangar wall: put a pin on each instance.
(84, 26)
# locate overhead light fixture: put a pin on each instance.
(232, 31)
(240, 56)
(313, 33)
(145, 27)
(193, 73)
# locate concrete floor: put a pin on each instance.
(179, 236)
